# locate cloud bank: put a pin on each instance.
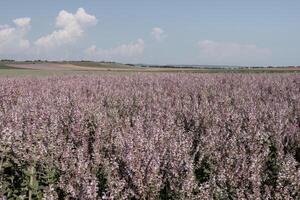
(12, 39)
(70, 28)
(213, 52)
(133, 49)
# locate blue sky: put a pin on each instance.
(156, 32)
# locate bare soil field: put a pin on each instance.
(52, 66)
(79, 67)
(75, 67)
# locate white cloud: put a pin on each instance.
(22, 22)
(158, 34)
(213, 52)
(71, 28)
(4, 26)
(130, 50)
(12, 39)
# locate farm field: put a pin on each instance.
(149, 100)
(148, 135)
(97, 68)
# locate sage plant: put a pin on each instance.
(141, 136)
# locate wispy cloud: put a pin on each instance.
(133, 49)
(212, 52)
(158, 34)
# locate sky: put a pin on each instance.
(203, 32)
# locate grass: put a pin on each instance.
(3, 66)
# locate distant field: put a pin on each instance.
(54, 67)
(28, 72)
(102, 68)
(101, 65)
(5, 66)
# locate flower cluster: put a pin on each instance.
(172, 136)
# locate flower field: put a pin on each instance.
(172, 136)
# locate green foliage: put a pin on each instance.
(227, 193)
(297, 154)
(102, 181)
(4, 66)
(166, 193)
(13, 180)
(271, 171)
(202, 172)
(20, 180)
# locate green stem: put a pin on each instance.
(1, 163)
(31, 180)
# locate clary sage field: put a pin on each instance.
(184, 136)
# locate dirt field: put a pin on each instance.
(77, 67)
(53, 67)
